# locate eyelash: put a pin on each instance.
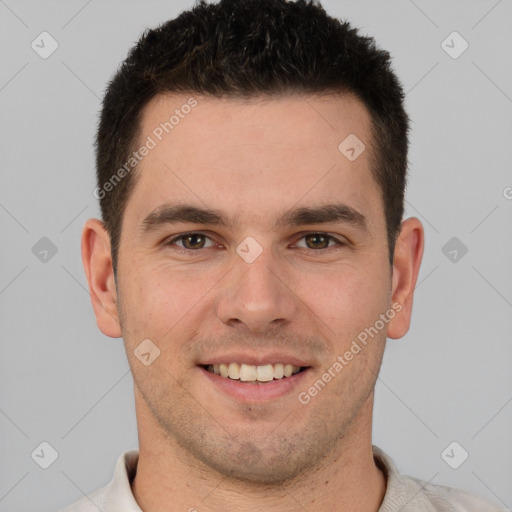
(193, 252)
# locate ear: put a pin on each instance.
(97, 261)
(406, 265)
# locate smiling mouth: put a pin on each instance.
(249, 373)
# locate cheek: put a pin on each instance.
(346, 297)
(158, 300)
(144, 297)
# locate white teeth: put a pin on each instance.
(265, 373)
(248, 373)
(234, 371)
(253, 373)
(278, 371)
(224, 370)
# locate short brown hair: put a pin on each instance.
(248, 48)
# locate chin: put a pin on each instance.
(269, 461)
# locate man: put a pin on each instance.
(251, 163)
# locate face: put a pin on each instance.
(282, 275)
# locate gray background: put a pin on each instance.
(448, 380)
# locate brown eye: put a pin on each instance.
(190, 242)
(193, 241)
(317, 241)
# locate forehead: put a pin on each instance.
(293, 120)
(254, 153)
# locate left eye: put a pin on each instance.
(319, 240)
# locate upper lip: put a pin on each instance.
(254, 359)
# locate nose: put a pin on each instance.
(256, 294)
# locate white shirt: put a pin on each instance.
(403, 493)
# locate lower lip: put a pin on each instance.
(259, 392)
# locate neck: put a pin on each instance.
(346, 479)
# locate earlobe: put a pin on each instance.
(97, 261)
(406, 265)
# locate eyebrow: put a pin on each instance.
(168, 214)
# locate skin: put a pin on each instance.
(203, 449)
